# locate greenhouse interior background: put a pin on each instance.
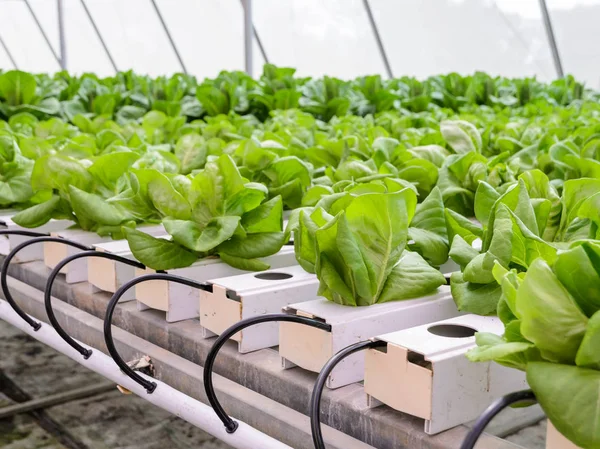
(345, 39)
(333, 37)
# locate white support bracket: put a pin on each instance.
(181, 302)
(423, 371)
(310, 348)
(54, 252)
(236, 298)
(107, 274)
(31, 253)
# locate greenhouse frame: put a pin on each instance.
(297, 224)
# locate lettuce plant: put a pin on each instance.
(270, 163)
(216, 213)
(325, 98)
(15, 173)
(95, 192)
(80, 190)
(461, 173)
(552, 318)
(21, 92)
(277, 89)
(360, 254)
(417, 165)
(526, 221)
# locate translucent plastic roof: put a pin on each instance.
(432, 36)
(318, 37)
(577, 34)
(333, 37)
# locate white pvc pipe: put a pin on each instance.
(165, 397)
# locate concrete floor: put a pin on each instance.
(107, 421)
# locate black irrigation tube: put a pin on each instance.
(315, 400)
(491, 412)
(85, 352)
(149, 386)
(4, 275)
(22, 232)
(231, 425)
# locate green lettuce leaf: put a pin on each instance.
(569, 397)
(551, 319)
(158, 253)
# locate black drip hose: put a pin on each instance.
(85, 352)
(4, 274)
(22, 232)
(231, 425)
(149, 386)
(315, 400)
(491, 412)
(5, 290)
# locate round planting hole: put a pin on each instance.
(452, 331)
(272, 276)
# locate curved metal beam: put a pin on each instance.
(551, 39)
(261, 47)
(100, 38)
(8, 53)
(62, 41)
(43, 33)
(248, 29)
(382, 52)
(168, 33)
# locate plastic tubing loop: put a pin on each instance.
(315, 400)
(25, 234)
(231, 425)
(491, 412)
(4, 274)
(159, 276)
(85, 352)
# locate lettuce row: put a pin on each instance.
(127, 96)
